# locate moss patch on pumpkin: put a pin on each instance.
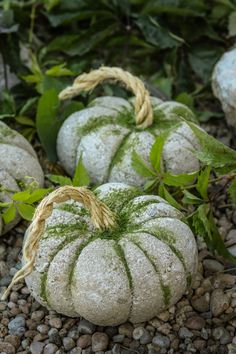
(121, 254)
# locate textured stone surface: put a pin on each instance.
(100, 279)
(113, 142)
(224, 85)
(18, 162)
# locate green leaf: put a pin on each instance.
(59, 70)
(47, 122)
(180, 180)
(26, 211)
(37, 195)
(9, 214)
(163, 192)
(151, 184)
(25, 121)
(190, 198)
(185, 99)
(213, 152)
(203, 224)
(4, 205)
(232, 24)
(157, 35)
(202, 59)
(156, 151)
(21, 196)
(81, 177)
(61, 180)
(203, 181)
(140, 166)
(232, 190)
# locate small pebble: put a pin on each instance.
(185, 333)
(37, 316)
(161, 341)
(100, 341)
(50, 348)
(54, 337)
(17, 326)
(55, 322)
(141, 334)
(126, 329)
(86, 327)
(7, 348)
(84, 341)
(118, 338)
(36, 347)
(195, 322)
(219, 302)
(212, 266)
(43, 329)
(14, 340)
(68, 343)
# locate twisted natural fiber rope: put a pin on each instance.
(101, 216)
(87, 82)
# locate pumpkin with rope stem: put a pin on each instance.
(106, 133)
(111, 256)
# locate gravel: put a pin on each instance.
(203, 321)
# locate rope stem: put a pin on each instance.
(101, 216)
(87, 82)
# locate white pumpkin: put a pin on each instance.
(129, 273)
(18, 161)
(224, 85)
(105, 135)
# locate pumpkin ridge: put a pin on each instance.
(186, 138)
(73, 209)
(121, 254)
(137, 207)
(166, 292)
(114, 157)
(168, 241)
(43, 292)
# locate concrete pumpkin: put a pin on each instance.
(139, 265)
(224, 85)
(105, 133)
(18, 161)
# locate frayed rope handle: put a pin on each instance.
(87, 82)
(101, 216)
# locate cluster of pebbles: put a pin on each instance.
(203, 321)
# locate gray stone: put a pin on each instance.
(99, 341)
(50, 348)
(126, 329)
(195, 322)
(43, 329)
(219, 302)
(17, 326)
(212, 266)
(86, 327)
(161, 341)
(84, 341)
(141, 334)
(55, 322)
(68, 343)
(221, 334)
(116, 349)
(54, 337)
(118, 338)
(232, 250)
(202, 303)
(76, 350)
(37, 316)
(185, 333)
(36, 347)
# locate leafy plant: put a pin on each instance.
(190, 192)
(23, 202)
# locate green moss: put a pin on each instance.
(65, 229)
(126, 146)
(43, 289)
(135, 208)
(73, 208)
(6, 132)
(166, 292)
(117, 198)
(121, 254)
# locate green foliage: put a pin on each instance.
(189, 192)
(23, 203)
(81, 177)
